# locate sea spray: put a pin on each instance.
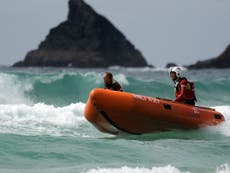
(224, 168)
(12, 89)
(125, 169)
(223, 128)
(41, 119)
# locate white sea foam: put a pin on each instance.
(50, 78)
(125, 169)
(116, 67)
(223, 128)
(225, 110)
(121, 78)
(12, 90)
(152, 69)
(225, 168)
(41, 119)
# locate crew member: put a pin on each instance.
(183, 89)
(110, 84)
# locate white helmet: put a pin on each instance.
(177, 70)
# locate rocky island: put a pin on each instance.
(85, 39)
(221, 61)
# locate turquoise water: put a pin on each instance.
(42, 127)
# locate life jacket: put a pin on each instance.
(184, 90)
(114, 86)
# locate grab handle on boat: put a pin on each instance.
(217, 116)
(167, 106)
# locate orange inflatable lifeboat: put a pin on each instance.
(120, 112)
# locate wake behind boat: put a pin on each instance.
(121, 112)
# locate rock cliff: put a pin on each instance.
(85, 39)
(221, 61)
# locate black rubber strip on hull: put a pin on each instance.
(105, 115)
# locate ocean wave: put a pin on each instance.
(225, 110)
(12, 90)
(41, 119)
(125, 169)
(224, 168)
(122, 79)
(64, 87)
(142, 69)
(223, 128)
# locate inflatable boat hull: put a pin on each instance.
(120, 112)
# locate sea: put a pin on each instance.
(43, 129)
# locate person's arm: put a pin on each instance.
(182, 90)
(119, 87)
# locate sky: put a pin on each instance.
(164, 31)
